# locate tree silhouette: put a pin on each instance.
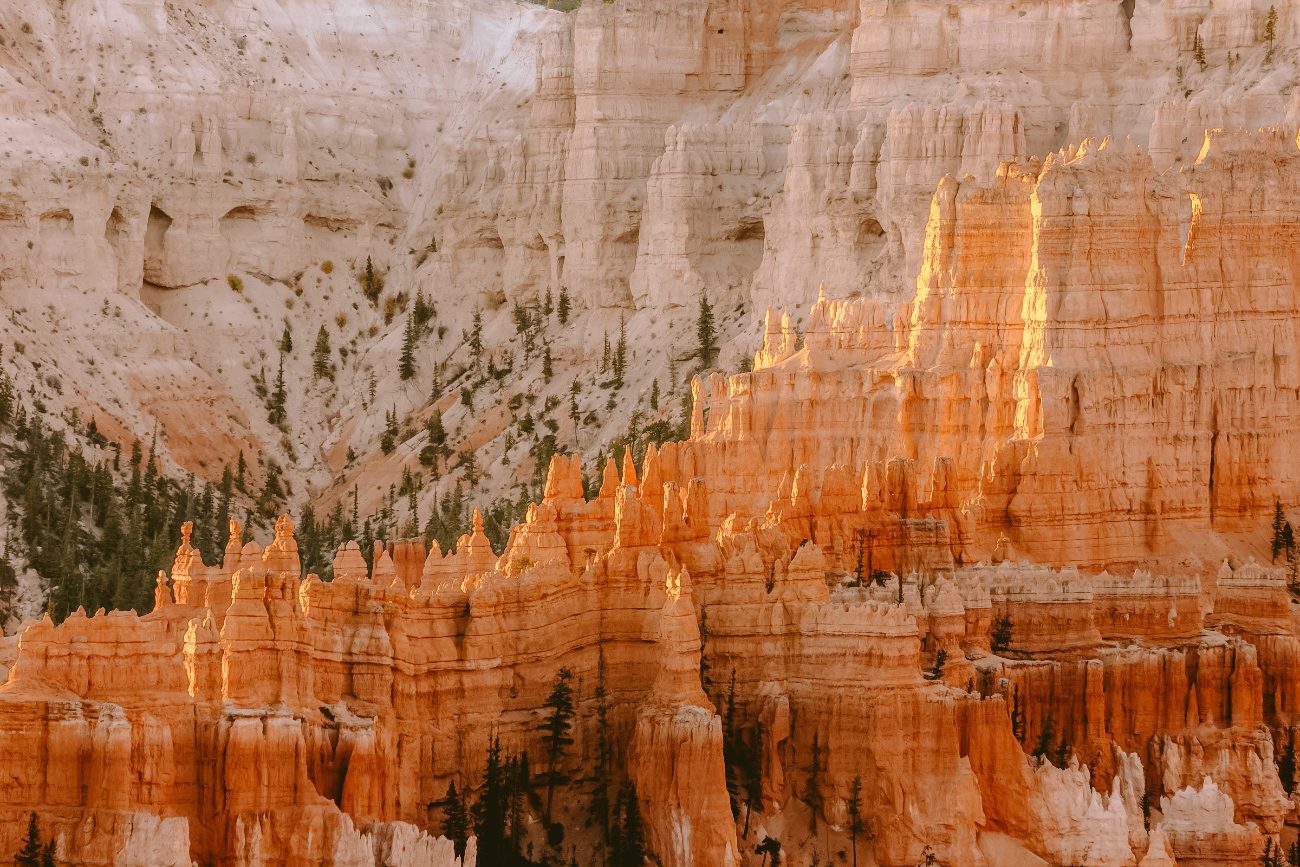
(555, 730)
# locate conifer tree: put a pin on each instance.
(548, 369)
(1046, 737)
(555, 730)
(455, 822)
(813, 792)
(1000, 636)
(705, 332)
(1198, 51)
(286, 340)
(476, 337)
(601, 780)
(320, 356)
(620, 354)
(562, 309)
(279, 397)
(548, 305)
(371, 284)
(1270, 33)
(406, 365)
(30, 853)
(1279, 519)
(936, 672)
(491, 808)
(1286, 764)
(855, 815)
(654, 395)
(629, 841)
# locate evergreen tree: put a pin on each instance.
(1286, 765)
(548, 305)
(491, 808)
(320, 356)
(371, 284)
(1046, 740)
(455, 822)
(1279, 519)
(562, 309)
(276, 413)
(654, 395)
(769, 847)
(855, 815)
(754, 777)
(936, 672)
(629, 841)
(47, 855)
(620, 354)
(476, 337)
(1000, 636)
(813, 791)
(1270, 33)
(602, 779)
(1017, 715)
(1198, 51)
(706, 334)
(422, 309)
(30, 853)
(548, 369)
(286, 340)
(406, 365)
(555, 730)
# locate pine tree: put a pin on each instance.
(1270, 33)
(406, 365)
(279, 398)
(620, 354)
(769, 847)
(562, 309)
(601, 781)
(1043, 750)
(855, 815)
(629, 841)
(491, 808)
(320, 356)
(555, 730)
(455, 822)
(705, 333)
(813, 791)
(1000, 636)
(1279, 519)
(548, 369)
(1198, 51)
(754, 777)
(548, 305)
(286, 340)
(1017, 715)
(371, 284)
(940, 659)
(1286, 764)
(476, 337)
(30, 854)
(654, 395)
(422, 309)
(47, 855)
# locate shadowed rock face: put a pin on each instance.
(979, 537)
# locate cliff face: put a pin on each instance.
(489, 153)
(968, 565)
